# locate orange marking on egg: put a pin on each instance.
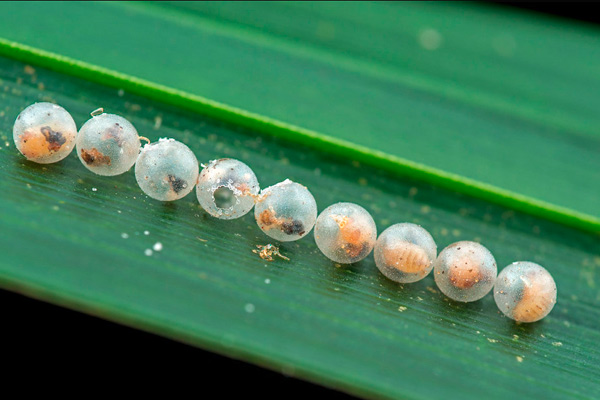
(94, 157)
(533, 305)
(464, 273)
(33, 145)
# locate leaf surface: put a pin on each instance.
(346, 327)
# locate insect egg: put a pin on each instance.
(166, 170)
(405, 252)
(108, 144)
(227, 188)
(345, 233)
(286, 211)
(525, 291)
(465, 271)
(44, 133)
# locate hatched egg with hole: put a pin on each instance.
(227, 188)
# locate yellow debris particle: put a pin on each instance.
(402, 308)
(267, 252)
(519, 359)
(492, 340)
(557, 344)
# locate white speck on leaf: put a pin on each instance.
(148, 252)
(157, 246)
(249, 308)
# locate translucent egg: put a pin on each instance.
(227, 188)
(286, 211)
(44, 133)
(405, 253)
(108, 144)
(345, 233)
(525, 291)
(465, 271)
(166, 170)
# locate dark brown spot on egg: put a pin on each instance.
(55, 139)
(177, 184)
(293, 227)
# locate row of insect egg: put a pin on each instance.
(168, 170)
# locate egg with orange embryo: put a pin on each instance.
(405, 253)
(465, 271)
(345, 233)
(525, 291)
(44, 133)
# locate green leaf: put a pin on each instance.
(504, 98)
(345, 327)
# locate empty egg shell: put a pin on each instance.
(166, 170)
(227, 188)
(405, 253)
(345, 233)
(108, 144)
(44, 133)
(286, 211)
(465, 271)
(525, 291)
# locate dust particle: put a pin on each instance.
(557, 344)
(148, 252)
(267, 281)
(492, 340)
(519, 359)
(249, 308)
(146, 233)
(124, 235)
(157, 122)
(430, 39)
(402, 308)
(157, 246)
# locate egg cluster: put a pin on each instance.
(346, 233)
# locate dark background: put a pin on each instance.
(71, 348)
